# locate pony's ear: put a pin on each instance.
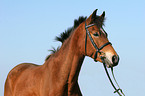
(94, 15)
(103, 15)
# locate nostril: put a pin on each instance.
(115, 59)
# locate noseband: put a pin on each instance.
(93, 43)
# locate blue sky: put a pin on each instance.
(28, 29)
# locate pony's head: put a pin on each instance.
(96, 44)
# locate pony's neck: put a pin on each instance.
(71, 56)
(66, 63)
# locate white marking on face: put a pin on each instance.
(109, 57)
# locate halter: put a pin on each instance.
(102, 58)
(93, 43)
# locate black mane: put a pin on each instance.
(53, 50)
(64, 35)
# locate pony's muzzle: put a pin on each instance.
(109, 60)
(115, 60)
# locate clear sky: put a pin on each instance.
(28, 29)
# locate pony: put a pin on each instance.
(58, 76)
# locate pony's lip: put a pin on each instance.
(108, 63)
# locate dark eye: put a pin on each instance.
(96, 34)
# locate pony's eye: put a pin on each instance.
(96, 34)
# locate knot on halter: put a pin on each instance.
(92, 41)
(118, 90)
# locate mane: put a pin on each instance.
(64, 35)
(53, 50)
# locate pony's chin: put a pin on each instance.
(108, 63)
